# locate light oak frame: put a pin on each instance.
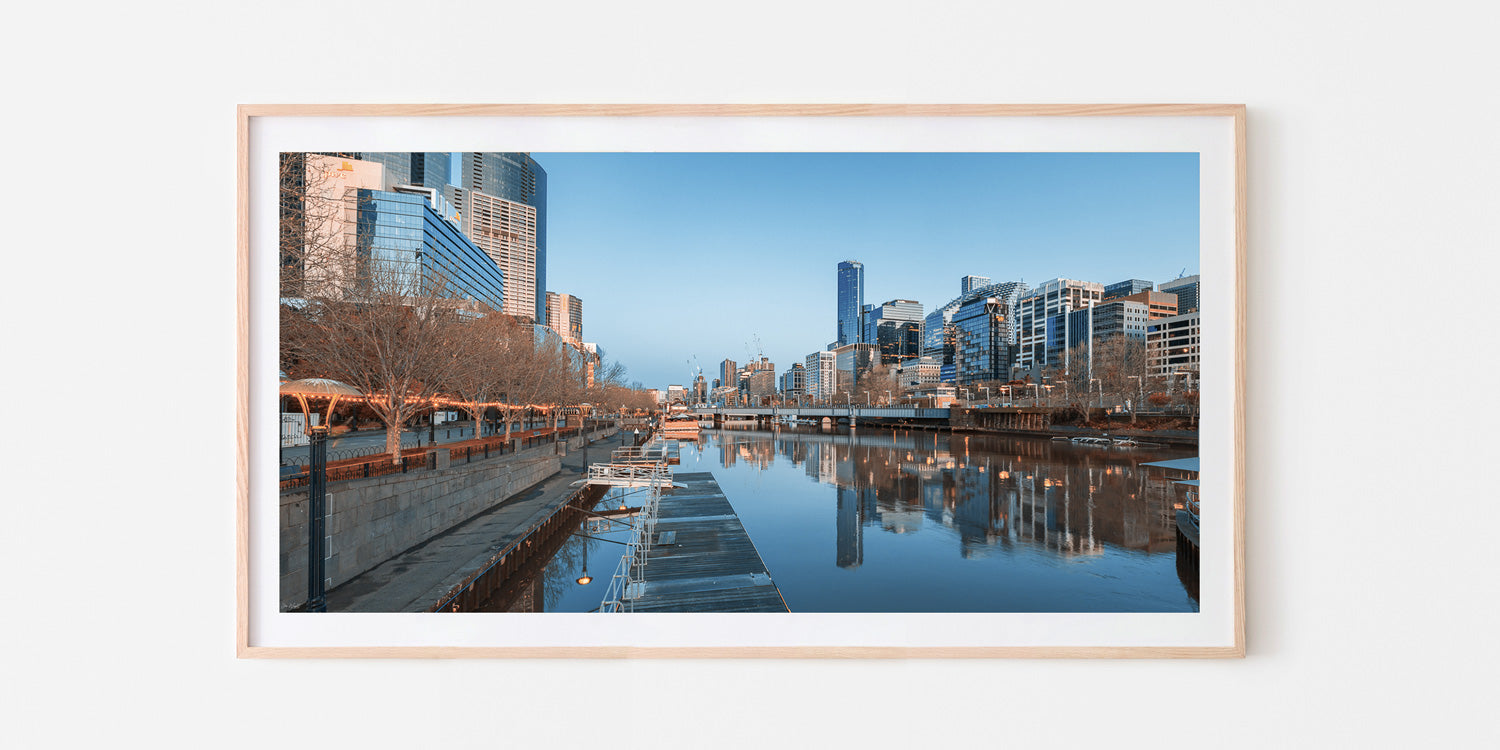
(246, 112)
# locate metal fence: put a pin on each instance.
(381, 465)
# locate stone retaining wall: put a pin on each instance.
(372, 520)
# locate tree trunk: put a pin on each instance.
(505, 414)
(393, 440)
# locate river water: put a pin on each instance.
(914, 521)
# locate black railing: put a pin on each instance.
(362, 470)
(380, 465)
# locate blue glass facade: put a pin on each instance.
(1126, 288)
(851, 301)
(431, 169)
(402, 233)
(981, 349)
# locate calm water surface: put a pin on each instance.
(897, 521)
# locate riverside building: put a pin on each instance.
(1043, 336)
(819, 376)
(895, 327)
(1174, 347)
(980, 350)
(938, 335)
(1186, 289)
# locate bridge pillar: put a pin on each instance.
(853, 421)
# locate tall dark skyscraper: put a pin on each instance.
(851, 301)
(518, 178)
(430, 169)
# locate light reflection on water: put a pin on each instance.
(898, 521)
(914, 521)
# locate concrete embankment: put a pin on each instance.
(371, 521)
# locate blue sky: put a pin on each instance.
(684, 255)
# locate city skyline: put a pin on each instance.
(767, 231)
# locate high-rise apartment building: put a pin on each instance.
(1041, 342)
(972, 283)
(507, 231)
(851, 300)
(819, 379)
(729, 373)
(760, 385)
(1186, 289)
(518, 178)
(565, 315)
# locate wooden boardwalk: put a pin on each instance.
(705, 561)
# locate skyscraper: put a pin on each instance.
(514, 177)
(506, 231)
(729, 373)
(851, 300)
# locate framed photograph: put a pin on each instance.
(881, 381)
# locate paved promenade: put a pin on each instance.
(415, 579)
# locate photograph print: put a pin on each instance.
(802, 382)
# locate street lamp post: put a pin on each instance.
(317, 477)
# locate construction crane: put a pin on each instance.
(758, 353)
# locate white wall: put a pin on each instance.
(1372, 162)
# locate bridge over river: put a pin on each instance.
(1001, 417)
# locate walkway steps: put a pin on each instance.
(710, 564)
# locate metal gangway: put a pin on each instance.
(645, 471)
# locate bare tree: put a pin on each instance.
(494, 352)
(376, 319)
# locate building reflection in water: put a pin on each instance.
(994, 492)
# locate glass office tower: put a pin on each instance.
(981, 351)
(403, 234)
(851, 300)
